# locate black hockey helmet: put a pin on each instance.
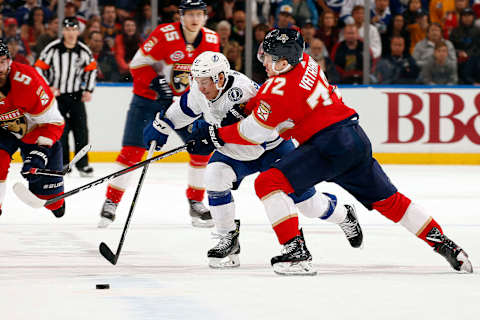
(284, 43)
(192, 5)
(4, 50)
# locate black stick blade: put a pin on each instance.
(107, 253)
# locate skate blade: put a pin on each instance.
(466, 265)
(231, 261)
(299, 268)
(104, 223)
(199, 223)
(85, 175)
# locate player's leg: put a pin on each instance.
(48, 187)
(372, 187)
(8, 145)
(80, 136)
(195, 192)
(141, 112)
(222, 172)
(311, 203)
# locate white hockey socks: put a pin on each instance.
(323, 206)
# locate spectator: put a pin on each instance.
(466, 40)
(348, 56)
(2, 27)
(317, 51)
(308, 32)
(224, 30)
(284, 17)
(375, 41)
(302, 10)
(438, 10)
(144, 20)
(398, 67)
(106, 64)
(381, 16)
(258, 70)
(347, 10)
(234, 56)
(472, 71)
(92, 25)
(13, 48)
(109, 27)
(424, 49)
(418, 30)
(328, 30)
(414, 9)
(87, 9)
(396, 28)
(23, 12)
(6, 9)
(126, 45)
(439, 69)
(47, 37)
(239, 24)
(452, 17)
(34, 27)
(12, 32)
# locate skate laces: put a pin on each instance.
(290, 247)
(225, 239)
(349, 227)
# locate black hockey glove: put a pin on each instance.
(161, 87)
(234, 115)
(36, 158)
(205, 138)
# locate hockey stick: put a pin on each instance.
(104, 249)
(33, 201)
(68, 168)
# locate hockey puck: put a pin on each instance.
(102, 286)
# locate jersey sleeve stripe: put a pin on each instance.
(185, 108)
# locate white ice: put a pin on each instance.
(49, 267)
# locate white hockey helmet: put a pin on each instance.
(211, 64)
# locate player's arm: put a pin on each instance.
(40, 105)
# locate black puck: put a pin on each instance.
(102, 286)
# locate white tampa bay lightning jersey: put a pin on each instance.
(193, 105)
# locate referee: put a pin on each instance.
(70, 69)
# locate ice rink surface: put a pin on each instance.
(49, 267)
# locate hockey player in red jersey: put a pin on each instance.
(29, 121)
(297, 101)
(160, 70)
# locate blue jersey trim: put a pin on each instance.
(184, 106)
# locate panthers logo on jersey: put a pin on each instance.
(180, 77)
(14, 122)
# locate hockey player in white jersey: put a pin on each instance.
(217, 96)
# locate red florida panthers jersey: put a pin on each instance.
(166, 52)
(28, 108)
(299, 103)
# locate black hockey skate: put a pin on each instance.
(351, 227)
(60, 211)
(201, 217)
(295, 258)
(107, 215)
(455, 255)
(85, 172)
(225, 253)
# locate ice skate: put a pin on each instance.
(201, 217)
(85, 172)
(351, 227)
(108, 213)
(295, 259)
(455, 255)
(225, 253)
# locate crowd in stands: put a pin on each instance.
(411, 41)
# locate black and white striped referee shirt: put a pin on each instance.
(70, 70)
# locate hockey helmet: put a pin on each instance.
(284, 43)
(4, 50)
(192, 5)
(210, 64)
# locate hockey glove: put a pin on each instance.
(234, 115)
(205, 137)
(161, 87)
(157, 131)
(36, 158)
